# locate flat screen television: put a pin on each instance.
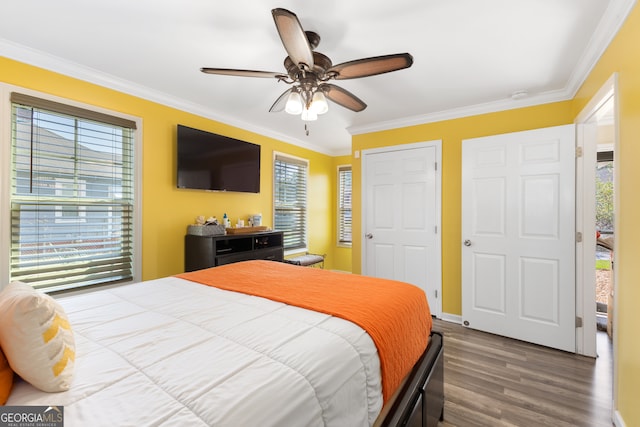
(208, 161)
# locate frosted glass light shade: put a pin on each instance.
(294, 103)
(319, 103)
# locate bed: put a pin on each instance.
(247, 344)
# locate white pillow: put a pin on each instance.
(36, 337)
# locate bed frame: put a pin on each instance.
(420, 402)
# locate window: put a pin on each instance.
(290, 200)
(72, 195)
(344, 205)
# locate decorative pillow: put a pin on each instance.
(6, 379)
(36, 337)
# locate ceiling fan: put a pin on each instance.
(309, 72)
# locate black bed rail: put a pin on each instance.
(420, 402)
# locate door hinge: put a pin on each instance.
(578, 237)
(435, 229)
(578, 151)
(435, 165)
(436, 293)
(578, 322)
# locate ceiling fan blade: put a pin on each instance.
(241, 73)
(293, 37)
(371, 66)
(343, 97)
(281, 102)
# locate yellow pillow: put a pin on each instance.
(6, 379)
(36, 337)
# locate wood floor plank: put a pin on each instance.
(497, 381)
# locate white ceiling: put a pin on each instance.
(470, 56)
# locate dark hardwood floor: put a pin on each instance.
(497, 381)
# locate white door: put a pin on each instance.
(518, 232)
(401, 200)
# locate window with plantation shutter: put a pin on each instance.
(72, 195)
(290, 200)
(344, 205)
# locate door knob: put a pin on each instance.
(467, 242)
(369, 236)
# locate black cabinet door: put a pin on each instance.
(199, 252)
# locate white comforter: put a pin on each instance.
(170, 352)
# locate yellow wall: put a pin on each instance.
(622, 57)
(166, 210)
(451, 132)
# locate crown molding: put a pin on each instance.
(53, 63)
(614, 16)
(611, 22)
(467, 111)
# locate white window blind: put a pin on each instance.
(72, 195)
(290, 200)
(344, 205)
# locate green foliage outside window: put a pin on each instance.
(604, 198)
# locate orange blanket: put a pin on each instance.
(395, 314)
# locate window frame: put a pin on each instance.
(339, 212)
(293, 160)
(60, 187)
(8, 170)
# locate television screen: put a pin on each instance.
(208, 161)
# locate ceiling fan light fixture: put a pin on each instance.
(319, 103)
(294, 103)
(308, 115)
(309, 71)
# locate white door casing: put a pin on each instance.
(518, 231)
(587, 139)
(401, 216)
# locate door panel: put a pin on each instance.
(489, 293)
(540, 290)
(540, 208)
(383, 213)
(414, 266)
(384, 266)
(489, 203)
(518, 223)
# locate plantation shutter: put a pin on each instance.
(290, 200)
(72, 195)
(344, 205)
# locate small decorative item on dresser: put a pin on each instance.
(247, 230)
(210, 227)
(206, 230)
(226, 221)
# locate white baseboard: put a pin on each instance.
(453, 318)
(617, 419)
